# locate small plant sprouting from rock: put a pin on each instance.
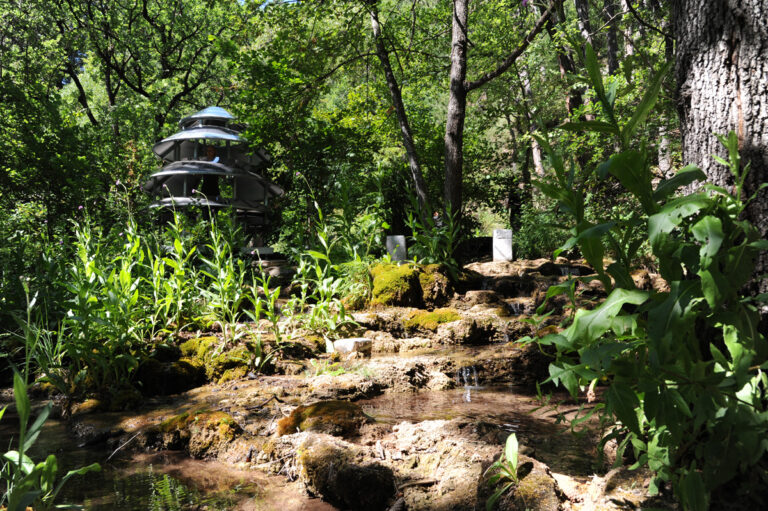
(505, 469)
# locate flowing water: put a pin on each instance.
(496, 411)
(160, 481)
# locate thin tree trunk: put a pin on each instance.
(629, 44)
(527, 93)
(457, 106)
(573, 98)
(582, 12)
(721, 75)
(609, 12)
(402, 118)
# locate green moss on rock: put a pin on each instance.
(219, 366)
(436, 286)
(332, 417)
(425, 320)
(396, 285)
(202, 432)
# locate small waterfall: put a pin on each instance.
(484, 285)
(515, 308)
(467, 376)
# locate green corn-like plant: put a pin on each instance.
(223, 287)
(179, 286)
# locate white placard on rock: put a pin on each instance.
(353, 344)
(396, 247)
(502, 245)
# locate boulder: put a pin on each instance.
(165, 378)
(202, 433)
(329, 469)
(332, 417)
(396, 285)
(436, 286)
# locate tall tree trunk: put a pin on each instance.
(573, 98)
(582, 12)
(527, 93)
(402, 117)
(609, 13)
(629, 43)
(457, 106)
(721, 77)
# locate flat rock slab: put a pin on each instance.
(351, 345)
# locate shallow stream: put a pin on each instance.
(496, 412)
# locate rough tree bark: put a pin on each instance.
(722, 79)
(402, 118)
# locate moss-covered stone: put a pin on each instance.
(198, 347)
(425, 320)
(124, 397)
(220, 363)
(396, 285)
(202, 432)
(234, 373)
(158, 378)
(436, 286)
(332, 417)
(87, 406)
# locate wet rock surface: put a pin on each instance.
(412, 421)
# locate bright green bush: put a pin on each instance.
(684, 367)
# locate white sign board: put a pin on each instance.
(502, 245)
(396, 247)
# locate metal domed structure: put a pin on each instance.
(208, 164)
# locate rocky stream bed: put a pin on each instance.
(410, 422)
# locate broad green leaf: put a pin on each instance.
(22, 400)
(645, 106)
(709, 232)
(93, 467)
(24, 462)
(510, 451)
(590, 325)
(715, 287)
(674, 316)
(672, 214)
(630, 168)
(693, 492)
(586, 232)
(679, 402)
(623, 401)
(684, 177)
(318, 255)
(596, 79)
(620, 274)
(48, 471)
(566, 376)
(37, 426)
